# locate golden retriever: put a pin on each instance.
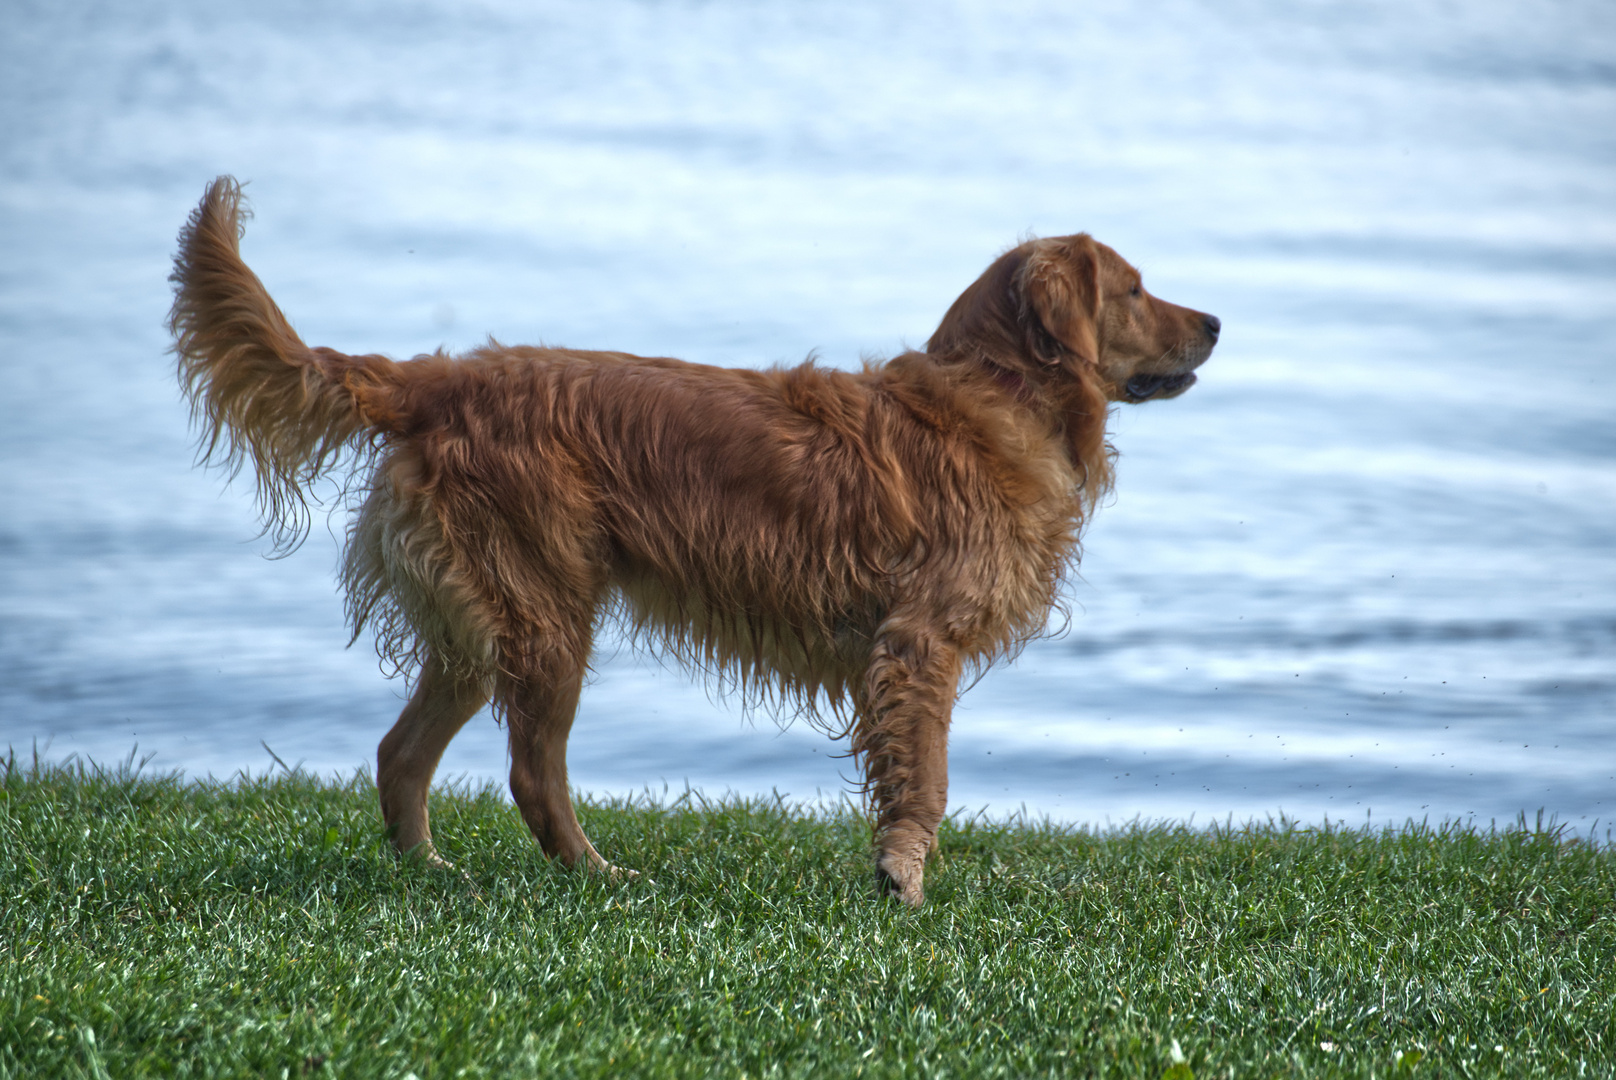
(846, 543)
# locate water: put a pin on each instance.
(1364, 568)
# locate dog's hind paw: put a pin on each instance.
(425, 855)
(900, 879)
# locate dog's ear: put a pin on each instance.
(1059, 287)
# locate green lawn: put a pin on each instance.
(154, 927)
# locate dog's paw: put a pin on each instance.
(426, 856)
(899, 878)
(617, 875)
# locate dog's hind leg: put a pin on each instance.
(539, 708)
(902, 740)
(410, 752)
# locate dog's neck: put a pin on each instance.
(1014, 383)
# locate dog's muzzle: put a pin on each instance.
(1144, 387)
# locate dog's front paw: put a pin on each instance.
(900, 877)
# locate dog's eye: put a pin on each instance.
(1136, 291)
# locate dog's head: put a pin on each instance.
(1070, 304)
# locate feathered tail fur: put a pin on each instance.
(257, 392)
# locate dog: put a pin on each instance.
(845, 543)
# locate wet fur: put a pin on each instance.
(842, 543)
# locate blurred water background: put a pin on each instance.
(1363, 571)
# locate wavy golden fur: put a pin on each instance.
(845, 542)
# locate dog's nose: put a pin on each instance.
(1213, 325)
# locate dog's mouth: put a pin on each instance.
(1147, 387)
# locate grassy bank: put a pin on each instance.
(153, 927)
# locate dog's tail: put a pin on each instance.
(257, 392)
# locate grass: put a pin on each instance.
(154, 927)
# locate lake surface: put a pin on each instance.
(1363, 571)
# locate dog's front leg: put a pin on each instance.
(903, 743)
